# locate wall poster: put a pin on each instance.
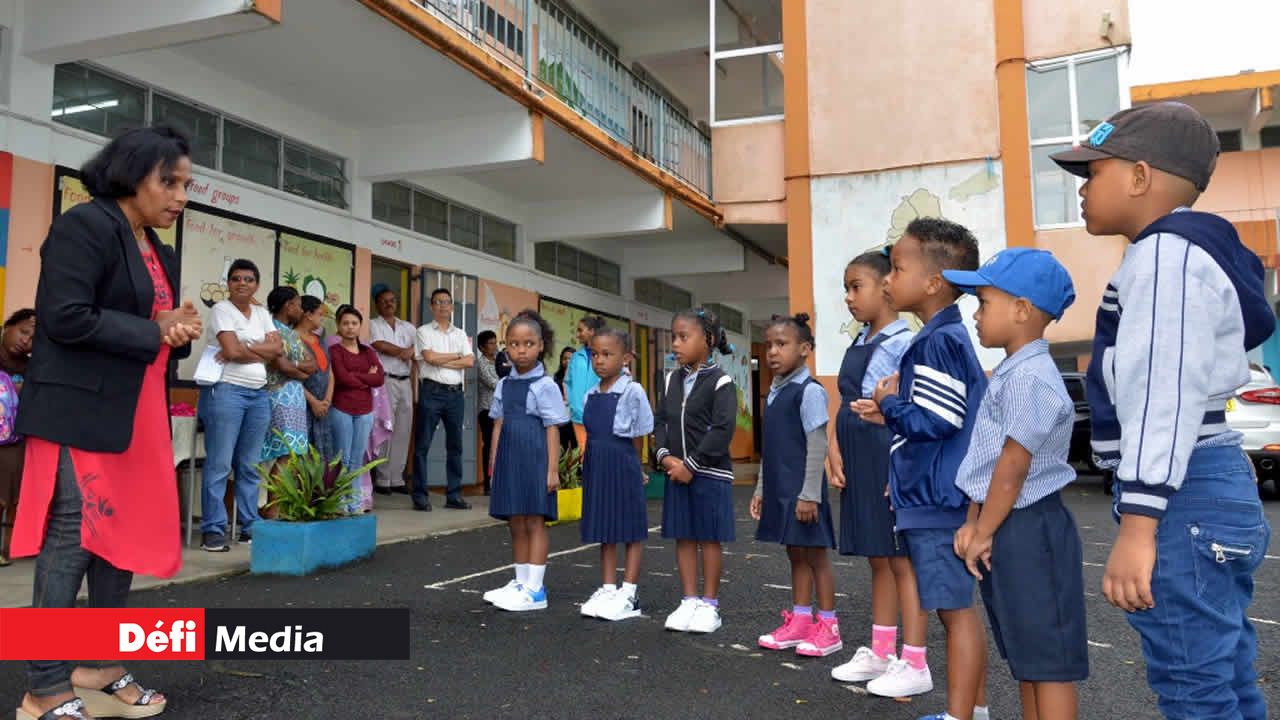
(322, 269)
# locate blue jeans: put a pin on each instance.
(1199, 644)
(235, 427)
(350, 439)
(435, 405)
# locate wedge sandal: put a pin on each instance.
(106, 703)
(69, 710)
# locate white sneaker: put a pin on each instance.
(619, 606)
(901, 680)
(493, 595)
(706, 618)
(683, 615)
(982, 713)
(522, 600)
(865, 665)
(591, 608)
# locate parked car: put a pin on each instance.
(1080, 454)
(1255, 413)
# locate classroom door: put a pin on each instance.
(465, 315)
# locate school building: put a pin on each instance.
(621, 157)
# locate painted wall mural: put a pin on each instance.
(856, 213)
(563, 319)
(317, 268)
(498, 304)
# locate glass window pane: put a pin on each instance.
(1098, 90)
(544, 257)
(315, 175)
(87, 99)
(610, 277)
(250, 154)
(567, 262)
(430, 215)
(1270, 136)
(392, 203)
(747, 23)
(587, 270)
(749, 86)
(464, 227)
(1229, 140)
(201, 126)
(1048, 102)
(1056, 201)
(499, 238)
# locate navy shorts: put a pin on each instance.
(944, 581)
(1034, 594)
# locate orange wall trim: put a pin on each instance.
(272, 10)
(1015, 137)
(795, 99)
(1204, 86)
(436, 34)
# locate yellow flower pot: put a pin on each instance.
(568, 506)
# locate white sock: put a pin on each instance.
(949, 716)
(536, 573)
(629, 589)
(609, 587)
(522, 573)
(981, 712)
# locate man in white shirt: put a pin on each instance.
(444, 354)
(394, 340)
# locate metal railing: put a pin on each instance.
(539, 38)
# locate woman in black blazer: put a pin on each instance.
(99, 497)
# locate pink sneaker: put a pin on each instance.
(824, 640)
(794, 630)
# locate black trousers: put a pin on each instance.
(486, 443)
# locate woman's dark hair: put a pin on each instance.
(716, 339)
(798, 322)
(120, 167)
(564, 366)
(622, 336)
(484, 337)
(531, 318)
(243, 264)
(278, 298)
(875, 260)
(310, 303)
(19, 317)
(594, 323)
(347, 310)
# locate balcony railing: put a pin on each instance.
(543, 41)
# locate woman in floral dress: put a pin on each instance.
(318, 387)
(288, 429)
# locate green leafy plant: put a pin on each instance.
(305, 488)
(571, 469)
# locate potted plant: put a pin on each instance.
(569, 496)
(312, 528)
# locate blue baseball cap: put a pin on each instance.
(1022, 272)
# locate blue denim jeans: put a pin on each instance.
(1199, 644)
(60, 568)
(235, 427)
(350, 439)
(437, 405)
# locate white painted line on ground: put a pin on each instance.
(463, 578)
(1264, 621)
(1272, 557)
(655, 547)
(1089, 564)
(585, 565)
(662, 574)
(1101, 645)
(777, 587)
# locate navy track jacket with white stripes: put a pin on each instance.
(698, 429)
(940, 387)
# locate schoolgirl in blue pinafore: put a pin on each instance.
(613, 501)
(783, 469)
(519, 484)
(866, 520)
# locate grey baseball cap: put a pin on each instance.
(1169, 136)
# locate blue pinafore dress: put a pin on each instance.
(866, 522)
(520, 469)
(613, 502)
(783, 460)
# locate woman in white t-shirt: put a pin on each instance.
(235, 410)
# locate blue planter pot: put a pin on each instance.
(301, 548)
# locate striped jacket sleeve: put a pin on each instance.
(935, 404)
(1163, 365)
(714, 444)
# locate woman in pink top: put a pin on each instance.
(356, 371)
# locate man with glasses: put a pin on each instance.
(444, 354)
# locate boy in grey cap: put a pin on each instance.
(1169, 350)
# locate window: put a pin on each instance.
(250, 154)
(1270, 136)
(730, 318)
(1229, 140)
(424, 213)
(201, 125)
(573, 264)
(314, 174)
(747, 55)
(95, 101)
(659, 294)
(1066, 98)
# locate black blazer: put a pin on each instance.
(94, 337)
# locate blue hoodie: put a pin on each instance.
(1169, 349)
